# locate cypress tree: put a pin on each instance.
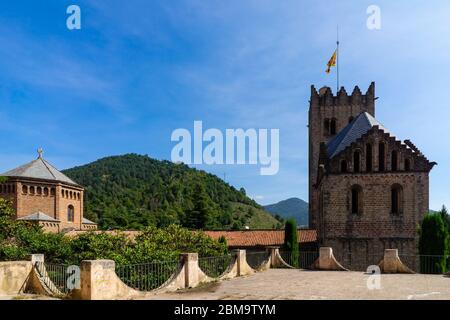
(433, 244)
(291, 241)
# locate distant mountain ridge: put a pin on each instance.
(295, 208)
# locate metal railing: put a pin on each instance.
(256, 259)
(358, 262)
(56, 277)
(426, 264)
(304, 260)
(214, 267)
(147, 276)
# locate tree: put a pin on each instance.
(433, 244)
(291, 241)
(445, 217)
(198, 217)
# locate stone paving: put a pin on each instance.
(280, 284)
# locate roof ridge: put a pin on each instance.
(45, 164)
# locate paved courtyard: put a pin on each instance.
(299, 284)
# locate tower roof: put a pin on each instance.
(39, 169)
(353, 131)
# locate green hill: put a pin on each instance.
(132, 191)
(291, 208)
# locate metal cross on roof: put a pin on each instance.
(40, 152)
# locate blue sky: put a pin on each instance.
(138, 70)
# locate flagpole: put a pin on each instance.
(337, 58)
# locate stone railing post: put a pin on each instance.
(274, 253)
(327, 261)
(390, 260)
(36, 258)
(241, 258)
(392, 264)
(191, 269)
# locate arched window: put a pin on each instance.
(357, 200)
(396, 199)
(368, 157)
(356, 162)
(39, 191)
(344, 166)
(333, 127)
(52, 191)
(381, 157)
(67, 194)
(32, 190)
(62, 193)
(71, 195)
(394, 159)
(46, 192)
(407, 164)
(70, 213)
(326, 126)
(25, 189)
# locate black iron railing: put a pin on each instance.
(256, 259)
(302, 259)
(214, 267)
(147, 276)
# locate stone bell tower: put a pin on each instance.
(329, 114)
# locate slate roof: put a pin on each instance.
(87, 221)
(39, 169)
(38, 216)
(353, 131)
(260, 238)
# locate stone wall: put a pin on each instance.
(375, 228)
(14, 276)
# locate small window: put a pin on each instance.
(381, 157)
(394, 159)
(52, 191)
(32, 190)
(25, 189)
(357, 200)
(396, 199)
(39, 191)
(46, 192)
(70, 213)
(368, 157)
(356, 162)
(407, 165)
(326, 127)
(333, 127)
(344, 166)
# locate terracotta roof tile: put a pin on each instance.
(254, 238)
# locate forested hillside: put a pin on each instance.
(132, 191)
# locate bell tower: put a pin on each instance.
(328, 114)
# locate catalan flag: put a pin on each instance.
(332, 62)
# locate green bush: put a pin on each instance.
(433, 244)
(19, 239)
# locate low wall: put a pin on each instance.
(14, 276)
